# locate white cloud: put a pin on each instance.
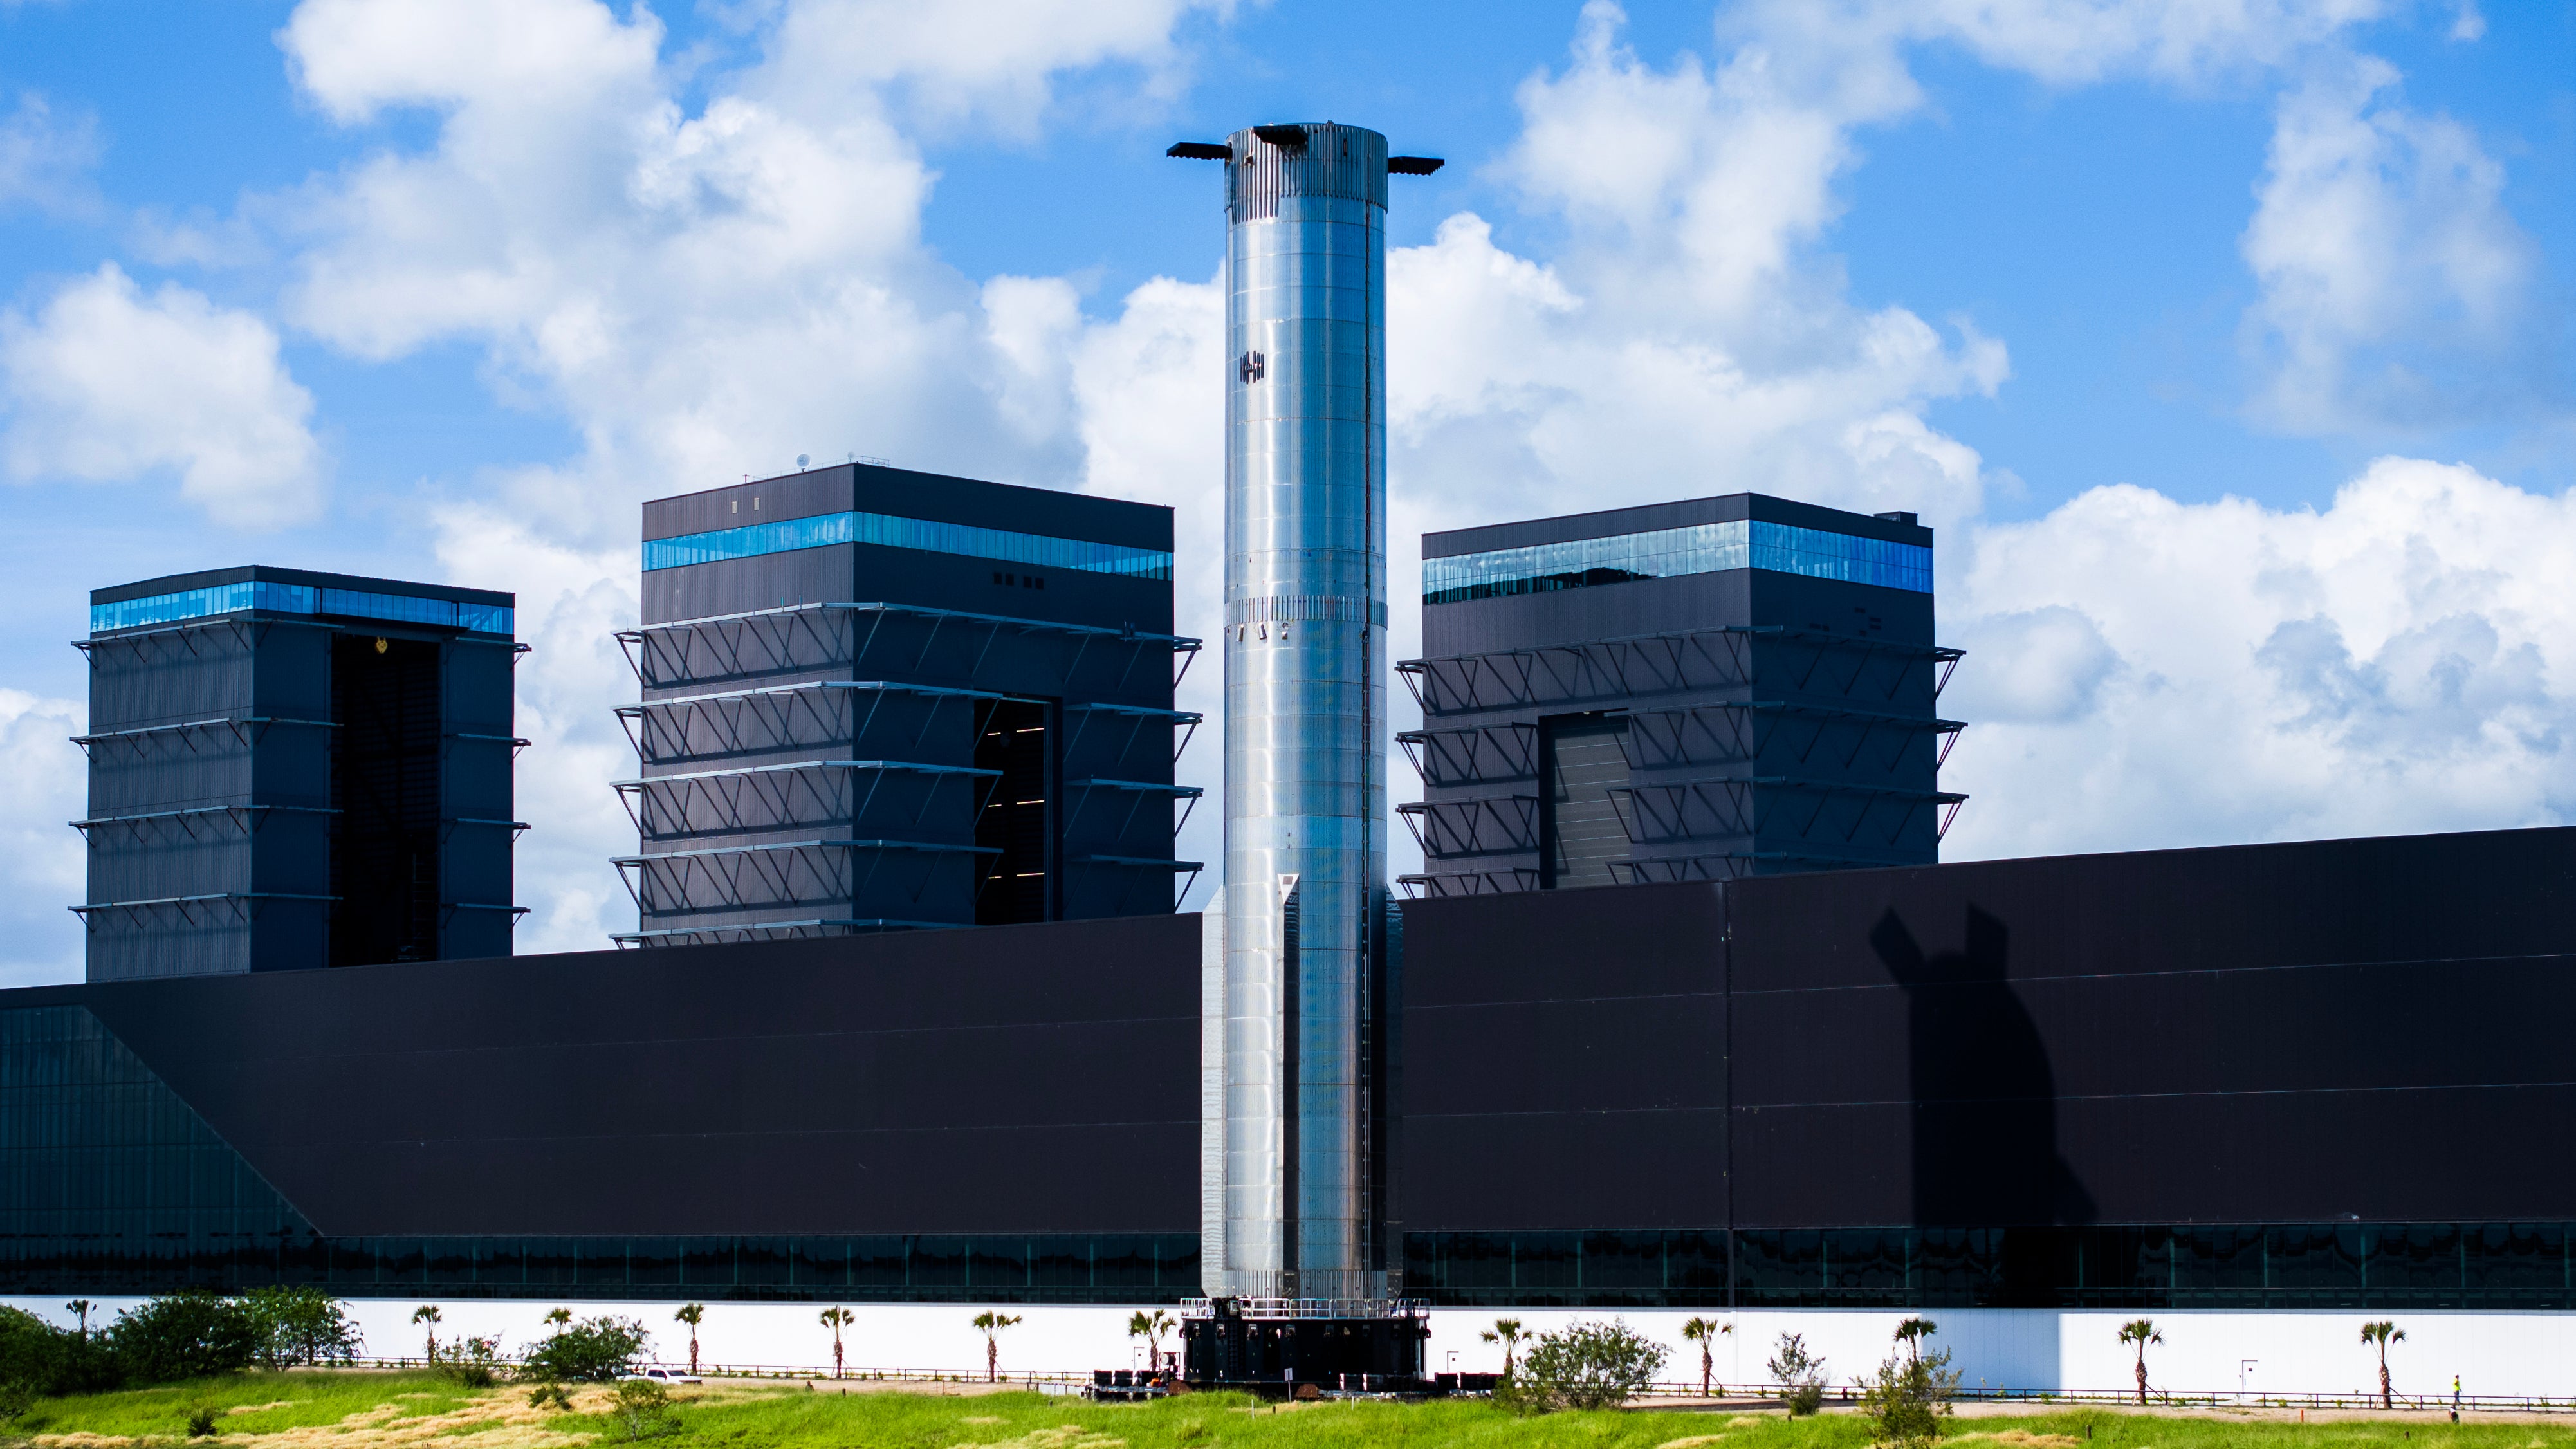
(2395, 285)
(107, 384)
(45, 159)
(47, 869)
(2143, 672)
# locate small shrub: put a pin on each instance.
(1584, 1366)
(190, 1335)
(300, 1326)
(594, 1350)
(1800, 1374)
(644, 1407)
(1909, 1398)
(549, 1395)
(473, 1362)
(201, 1421)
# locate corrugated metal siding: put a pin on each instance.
(1341, 161)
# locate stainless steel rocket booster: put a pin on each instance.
(1291, 1174)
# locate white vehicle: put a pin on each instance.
(664, 1376)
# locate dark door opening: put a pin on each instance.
(1586, 764)
(1019, 818)
(384, 783)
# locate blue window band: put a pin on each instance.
(280, 598)
(1703, 548)
(888, 531)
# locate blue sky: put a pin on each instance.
(2228, 347)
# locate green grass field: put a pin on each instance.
(382, 1410)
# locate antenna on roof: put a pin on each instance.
(801, 461)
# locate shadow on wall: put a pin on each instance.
(1985, 1103)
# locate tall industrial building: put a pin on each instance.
(875, 699)
(1701, 690)
(291, 769)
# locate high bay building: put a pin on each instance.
(291, 769)
(874, 699)
(1729, 686)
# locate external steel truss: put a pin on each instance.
(1670, 813)
(1492, 881)
(1722, 865)
(225, 908)
(807, 792)
(798, 872)
(1139, 870)
(203, 824)
(770, 931)
(754, 721)
(1490, 754)
(1612, 671)
(140, 646)
(1490, 825)
(1137, 717)
(244, 731)
(1136, 793)
(804, 637)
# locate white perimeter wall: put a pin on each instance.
(2532, 1354)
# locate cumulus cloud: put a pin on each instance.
(105, 383)
(40, 942)
(2395, 284)
(45, 159)
(2148, 672)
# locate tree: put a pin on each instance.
(1586, 1366)
(2141, 1331)
(300, 1326)
(596, 1350)
(993, 1323)
(1704, 1332)
(1150, 1327)
(428, 1313)
(1911, 1394)
(692, 1314)
(188, 1335)
(837, 1319)
(1913, 1331)
(1800, 1374)
(1507, 1332)
(2383, 1334)
(559, 1316)
(644, 1407)
(81, 1306)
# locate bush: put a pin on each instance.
(644, 1407)
(1909, 1398)
(1585, 1366)
(201, 1422)
(300, 1326)
(551, 1395)
(191, 1335)
(1801, 1375)
(473, 1362)
(594, 1350)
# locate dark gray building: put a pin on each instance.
(292, 769)
(1701, 690)
(875, 699)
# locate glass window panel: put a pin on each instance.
(2517, 1264)
(763, 1262)
(603, 1263)
(653, 1262)
(937, 1262)
(2416, 1263)
(2315, 1265)
(1176, 1263)
(1953, 1267)
(1544, 1262)
(823, 1263)
(1615, 1262)
(998, 1262)
(1695, 1265)
(887, 531)
(501, 1262)
(1672, 552)
(400, 1263)
(707, 1262)
(281, 598)
(1864, 1266)
(1060, 1262)
(1472, 1261)
(1779, 1268)
(1120, 1261)
(552, 1262)
(448, 1262)
(880, 1264)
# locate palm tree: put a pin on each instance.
(993, 1323)
(1150, 1327)
(692, 1314)
(560, 1317)
(836, 1319)
(2141, 1331)
(428, 1313)
(1912, 1332)
(81, 1306)
(2382, 1334)
(1704, 1333)
(1507, 1332)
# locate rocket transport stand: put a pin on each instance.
(1301, 1274)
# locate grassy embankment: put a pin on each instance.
(362, 1410)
